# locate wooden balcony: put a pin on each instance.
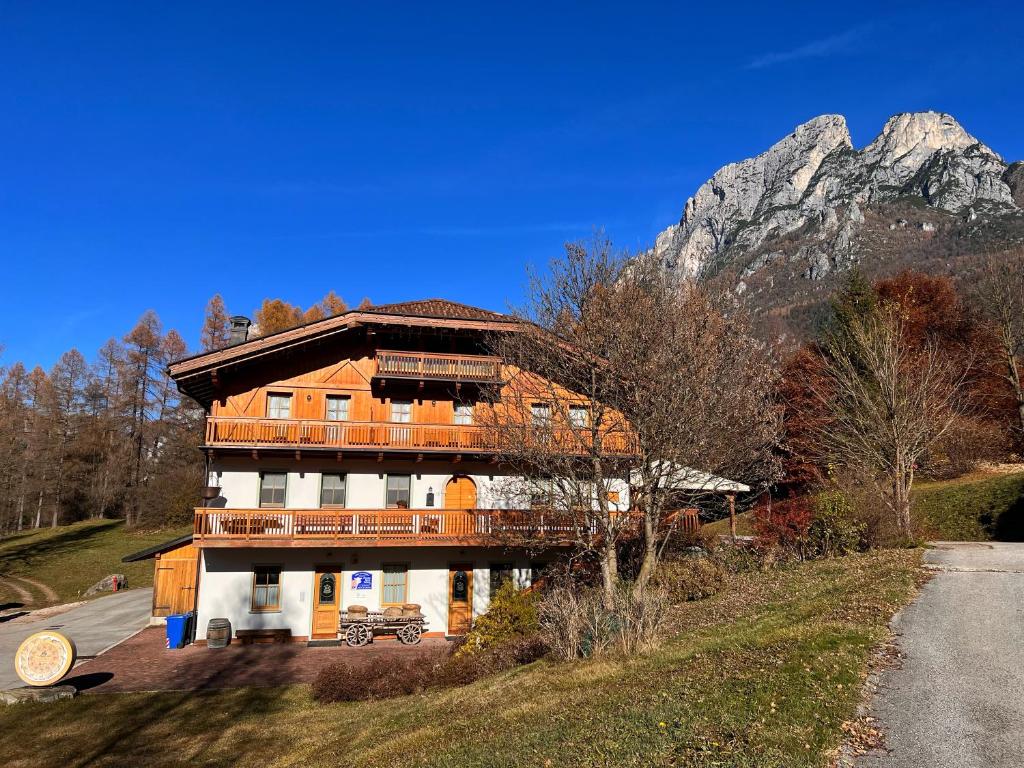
(378, 436)
(424, 366)
(382, 527)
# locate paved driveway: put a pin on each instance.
(94, 627)
(956, 699)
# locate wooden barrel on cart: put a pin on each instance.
(356, 612)
(410, 609)
(392, 612)
(218, 633)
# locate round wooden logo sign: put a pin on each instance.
(44, 658)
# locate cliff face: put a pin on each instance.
(783, 224)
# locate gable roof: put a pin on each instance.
(195, 375)
(452, 310)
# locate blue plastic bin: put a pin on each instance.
(177, 630)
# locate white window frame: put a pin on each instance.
(344, 490)
(387, 480)
(579, 417)
(284, 490)
(274, 400)
(404, 411)
(463, 414)
(345, 400)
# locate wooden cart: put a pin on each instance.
(359, 629)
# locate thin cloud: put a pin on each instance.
(826, 46)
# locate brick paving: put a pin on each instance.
(142, 663)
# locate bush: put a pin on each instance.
(784, 524)
(691, 578)
(404, 677)
(512, 614)
(576, 623)
(345, 682)
(834, 531)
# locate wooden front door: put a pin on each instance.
(326, 597)
(460, 598)
(460, 493)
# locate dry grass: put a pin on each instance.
(764, 673)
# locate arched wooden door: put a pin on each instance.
(460, 493)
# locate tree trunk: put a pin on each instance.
(650, 561)
(1013, 374)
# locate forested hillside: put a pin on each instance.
(109, 436)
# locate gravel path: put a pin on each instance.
(956, 698)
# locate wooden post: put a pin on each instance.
(732, 515)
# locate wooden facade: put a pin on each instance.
(175, 574)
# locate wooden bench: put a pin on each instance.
(254, 636)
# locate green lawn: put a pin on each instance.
(71, 558)
(763, 674)
(976, 507)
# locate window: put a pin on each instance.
(401, 411)
(266, 588)
(332, 490)
(337, 407)
(500, 573)
(541, 413)
(396, 582)
(398, 491)
(279, 406)
(463, 414)
(579, 416)
(272, 488)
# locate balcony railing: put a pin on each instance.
(436, 366)
(384, 527)
(346, 435)
(250, 432)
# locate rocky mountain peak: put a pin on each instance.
(814, 186)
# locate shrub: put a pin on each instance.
(691, 578)
(575, 622)
(512, 614)
(404, 677)
(346, 682)
(835, 529)
(784, 525)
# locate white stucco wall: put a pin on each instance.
(225, 589)
(366, 482)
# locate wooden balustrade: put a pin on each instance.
(352, 435)
(382, 527)
(431, 365)
(251, 432)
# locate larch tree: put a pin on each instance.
(276, 315)
(216, 332)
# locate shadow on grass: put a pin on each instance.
(28, 553)
(85, 682)
(1009, 525)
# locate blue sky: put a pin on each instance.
(152, 155)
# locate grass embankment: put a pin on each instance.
(762, 674)
(976, 507)
(744, 525)
(57, 565)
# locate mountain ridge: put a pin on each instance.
(784, 224)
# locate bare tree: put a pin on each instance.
(698, 392)
(554, 420)
(631, 384)
(999, 294)
(887, 402)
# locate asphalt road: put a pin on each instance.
(94, 627)
(956, 698)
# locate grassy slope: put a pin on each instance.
(72, 558)
(763, 674)
(976, 507)
(744, 525)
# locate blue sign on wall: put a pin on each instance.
(362, 580)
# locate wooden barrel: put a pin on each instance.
(392, 612)
(218, 633)
(410, 609)
(356, 612)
